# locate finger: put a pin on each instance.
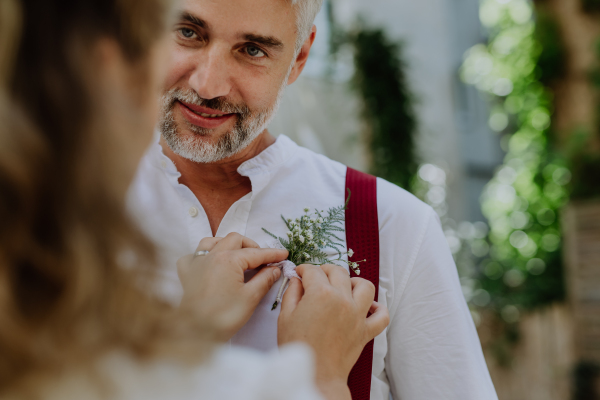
(363, 293)
(253, 258)
(208, 243)
(338, 277)
(312, 276)
(378, 320)
(292, 296)
(183, 266)
(235, 241)
(257, 287)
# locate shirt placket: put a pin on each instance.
(236, 218)
(197, 221)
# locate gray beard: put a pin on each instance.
(249, 126)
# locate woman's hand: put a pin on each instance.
(213, 284)
(328, 310)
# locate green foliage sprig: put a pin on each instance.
(310, 235)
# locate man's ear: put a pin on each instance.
(302, 57)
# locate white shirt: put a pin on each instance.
(230, 373)
(429, 351)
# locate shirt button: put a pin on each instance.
(163, 164)
(193, 211)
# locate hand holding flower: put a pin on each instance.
(328, 311)
(214, 287)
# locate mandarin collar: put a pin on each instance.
(259, 168)
(270, 158)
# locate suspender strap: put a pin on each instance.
(362, 236)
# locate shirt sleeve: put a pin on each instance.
(433, 347)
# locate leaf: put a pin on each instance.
(269, 233)
(287, 224)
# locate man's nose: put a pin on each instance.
(211, 79)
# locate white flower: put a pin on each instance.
(289, 220)
(290, 234)
(357, 271)
(312, 220)
(350, 253)
(301, 239)
(306, 256)
(320, 220)
(306, 210)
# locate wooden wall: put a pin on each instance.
(538, 365)
(546, 345)
(581, 226)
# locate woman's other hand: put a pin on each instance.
(214, 287)
(328, 310)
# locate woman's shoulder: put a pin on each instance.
(228, 373)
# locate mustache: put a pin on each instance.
(217, 103)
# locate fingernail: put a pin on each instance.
(276, 273)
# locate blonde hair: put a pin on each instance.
(75, 272)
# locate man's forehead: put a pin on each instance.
(240, 18)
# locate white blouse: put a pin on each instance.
(230, 373)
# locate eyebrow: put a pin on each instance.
(267, 41)
(192, 19)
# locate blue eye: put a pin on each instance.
(254, 51)
(186, 33)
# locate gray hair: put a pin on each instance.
(306, 11)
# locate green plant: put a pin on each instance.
(380, 81)
(388, 105)
(523, 267)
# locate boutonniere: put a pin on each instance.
(308, 237)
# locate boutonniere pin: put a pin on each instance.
(308, 237)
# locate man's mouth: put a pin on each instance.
(203, 116)
(208, 115)
(204, 111)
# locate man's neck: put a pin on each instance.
(218, 185)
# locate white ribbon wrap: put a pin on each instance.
(288, 270)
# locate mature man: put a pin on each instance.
(216, 170)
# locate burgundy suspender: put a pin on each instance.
(362, 236)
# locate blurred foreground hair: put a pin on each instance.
(74, 271)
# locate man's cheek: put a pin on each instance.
(260, 94)
(180, 66)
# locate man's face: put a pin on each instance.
(231, 61)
